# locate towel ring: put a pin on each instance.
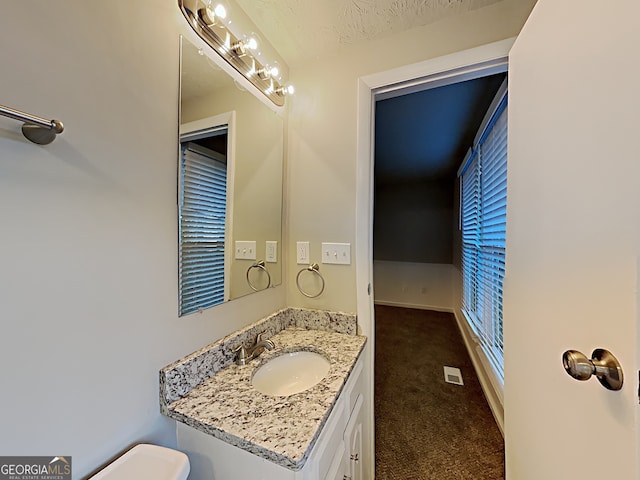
(261, 266)
(315, 268)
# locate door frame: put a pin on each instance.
(460, 66)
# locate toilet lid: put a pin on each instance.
(147, 461)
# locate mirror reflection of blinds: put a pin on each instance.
(202, 210)
(483, 221)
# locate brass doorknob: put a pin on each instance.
(602, 364)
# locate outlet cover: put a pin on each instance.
(338, 253)
(245, 250)
(302, 253)
(272, 252)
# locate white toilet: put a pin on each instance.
(147, 461)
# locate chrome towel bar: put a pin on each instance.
(36, 129)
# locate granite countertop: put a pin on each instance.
(280, 429)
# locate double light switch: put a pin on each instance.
(246, 250)
(336, 253)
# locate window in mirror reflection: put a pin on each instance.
(202, 209)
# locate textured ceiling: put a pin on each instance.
(312, 28)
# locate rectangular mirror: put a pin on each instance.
(230, 186)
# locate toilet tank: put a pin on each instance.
(147, 461)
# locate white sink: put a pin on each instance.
(290, 373)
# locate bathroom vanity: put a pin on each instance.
(230, 430)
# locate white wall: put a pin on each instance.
(429, 286)
(88, 284)
(322, 152)
(321, 178)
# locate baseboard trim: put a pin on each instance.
(490, 393)
(414, 305)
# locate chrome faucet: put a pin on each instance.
(243, 355)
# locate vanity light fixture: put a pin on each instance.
(274, 70)
(263, 73)
(209, 20)
(239, 48)
(286, 90)
(242, 47)
(269, 71)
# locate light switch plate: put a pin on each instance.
(339, 253)
(245, 250)
(302, 253)
(271, 255)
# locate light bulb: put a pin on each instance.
(251, 43)
(210, 14)
(267, 71)
(245, 44)
(286, 90)
(220, 11)
(273, 71)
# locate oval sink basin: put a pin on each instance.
(290, 373)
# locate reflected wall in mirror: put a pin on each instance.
(226, 133)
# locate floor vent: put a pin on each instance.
(453, 375)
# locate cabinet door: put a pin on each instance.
(339, 469)
(353, 441)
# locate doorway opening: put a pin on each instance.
(467, 65)
(421, 139)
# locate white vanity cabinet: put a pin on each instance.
(339, 450)
(353, 442)
(347, 462)
(337, 455)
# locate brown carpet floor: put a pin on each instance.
(426, 428)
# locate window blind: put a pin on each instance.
(483, 221)
(202, 212)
